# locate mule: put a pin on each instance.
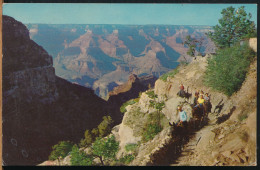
(184, 94)
(207, 107)
(180, 135)
(198, 116)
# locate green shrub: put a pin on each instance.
(105, 148)
(83, 143)
(150, 131)
(136, 100)
(130, 147)
(95, 133)
(80, 157)
(104, 128)
(155, 117)
(151, 94)
(123, 107)
(135, 119)
(169, 74)
(87, 140)
(227, 70)
(127, 159)
(61, 150)
(242, 116)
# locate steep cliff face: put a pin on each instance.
(39, 108)
(26, 64)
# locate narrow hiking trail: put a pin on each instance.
(188, 155)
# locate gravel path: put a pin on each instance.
(188, 154)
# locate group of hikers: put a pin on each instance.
(201, 102)
(201, 106)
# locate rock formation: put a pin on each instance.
(39, 108)
(130, 89)
(93, 55)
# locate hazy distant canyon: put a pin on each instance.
(103, 56)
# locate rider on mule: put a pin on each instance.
(206, 98)
(183, 117)
(196, 97)
(200, 101)
(181, 93)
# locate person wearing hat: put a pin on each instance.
(181, 92)
(183, 117)
(183, 122)
(196, 97)
(206, 98)
(200, 101)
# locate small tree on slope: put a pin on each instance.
(105, 148)
(60, 150)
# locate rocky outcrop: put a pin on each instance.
(39, 108)
(124, 87)
(130, 89)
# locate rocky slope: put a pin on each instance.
(227, 141)
(39, 108)
(103, 56)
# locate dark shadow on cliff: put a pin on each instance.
(219, 107)
(225, 117)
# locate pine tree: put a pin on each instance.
(233, 27)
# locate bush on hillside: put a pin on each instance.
(80, 158)
(131, 147)
(129, 102)
(227, 70)
(105, 126)
(103, 129)
(105, 148)
(151, 130)
(60, 150)
(151, 94)
(87, 140)
(154, 124)
(95, 133)
(127, 159)
(242, 116)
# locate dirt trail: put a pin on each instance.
(189, 152)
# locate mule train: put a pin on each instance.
(198, 120)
